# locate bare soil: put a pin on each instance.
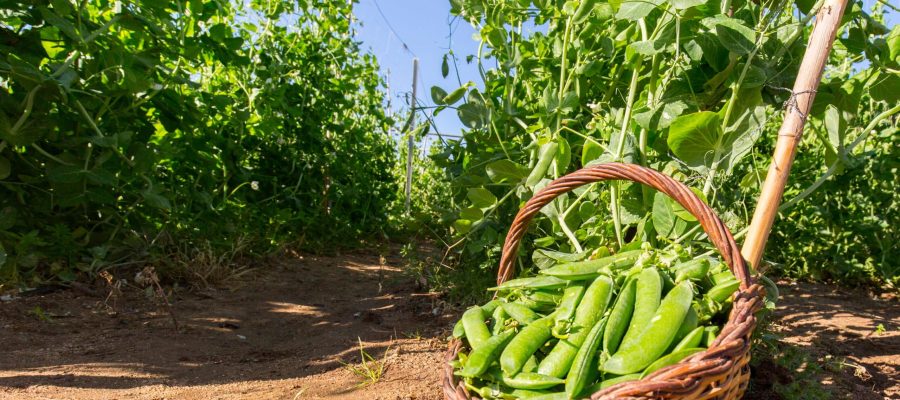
(291, 334)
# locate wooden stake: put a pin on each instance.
(412, 124)
(798, 106)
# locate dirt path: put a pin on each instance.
(283, 337)
(852, 336)
(289, 334)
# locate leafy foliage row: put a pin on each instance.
(141, 130)
(693, 88)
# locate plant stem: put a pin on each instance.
(620, 146)
(564, 65)
(834, 166)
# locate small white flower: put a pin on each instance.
(254, 185)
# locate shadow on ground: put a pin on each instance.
(305, 320)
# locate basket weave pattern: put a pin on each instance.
(721, 371)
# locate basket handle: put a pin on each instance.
(718, 233)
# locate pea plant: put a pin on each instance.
(693, 88)
(153, 131)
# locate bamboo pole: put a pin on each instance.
(791, 133)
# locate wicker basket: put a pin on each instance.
(720, 372)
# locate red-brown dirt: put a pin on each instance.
(290, 334)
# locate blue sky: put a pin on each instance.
(425, 27)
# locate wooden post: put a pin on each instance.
(409, 128)
(798, 106)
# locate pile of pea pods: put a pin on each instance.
(577, 327)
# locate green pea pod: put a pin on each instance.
(694, 270)
(592, 306)
(552, 396)
(524, 344)
(693, 339)
(570, 299)
(584, 367)
(488, 308)
(657, 336)
(548, 153)
(619, 317)
(455, 95)
(583, 10)
(482, 357)
(646, 300)
(668, 282)
(530, 365)
(670, 359)
(709, 335)
(527, 393)
(723, 291)
(722, 277)
(590, 269)
(691, 321)
(534, 282)
(476, 330)
(613, 381)
(520, 313)
(458, 330)
(499, 320)
(540, 300)
(531, 380)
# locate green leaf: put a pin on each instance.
(471, 213)
(660, 117)
(685, 4)
(65, 26)
(694, 137)
(156, 200)
(754, 178)
(590, 152)
(66, 174)
(649, 47)
(462, 226)
(749, 118)
(219, 32)
(635, 10)
(438, 94)
(663, 215)
(755, 77)
(544, 258)
(885, 87)
(506, 171)
(732, 33)
(833, 127)
(805, 5)
(681, 212)
(5, 169)
(481, 197)
(472, 115)
(893, 42)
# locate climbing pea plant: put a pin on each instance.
(693, 88)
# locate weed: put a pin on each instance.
(40, 314)
(369, 370)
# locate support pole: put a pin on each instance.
(828, 21)
(409, 128)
